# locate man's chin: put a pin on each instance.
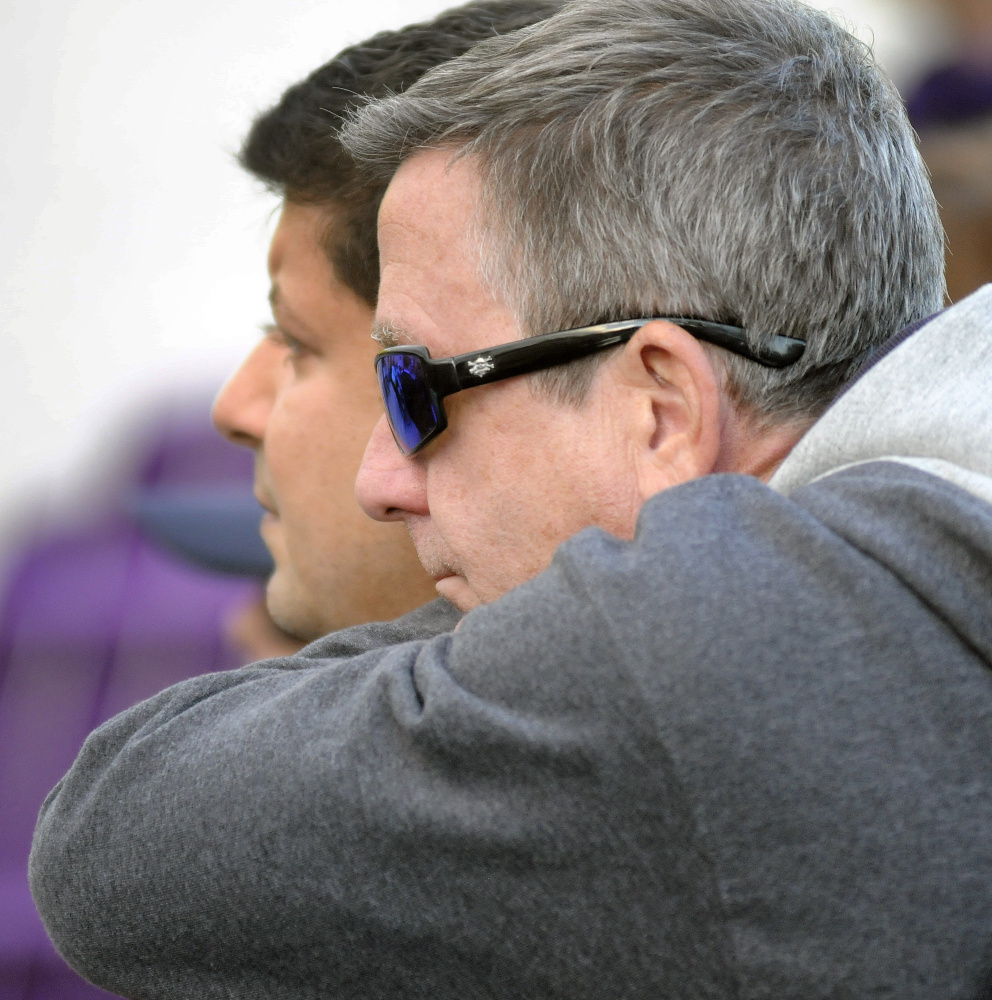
(288, 612)
(457, 590)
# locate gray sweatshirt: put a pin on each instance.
(746, 755)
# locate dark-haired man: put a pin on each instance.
(305, 398)
(717, 722)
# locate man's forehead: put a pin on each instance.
(432, 198)
(432, 292)
(433, 177)
(429, 281)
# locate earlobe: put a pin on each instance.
(677, 410)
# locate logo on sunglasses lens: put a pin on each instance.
(481, 365)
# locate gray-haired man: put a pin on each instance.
(733, 745)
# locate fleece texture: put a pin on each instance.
(745, 755)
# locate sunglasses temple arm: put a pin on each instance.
(464, 371)
(779, 352)
(507, 361)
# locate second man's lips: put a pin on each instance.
(265, 502)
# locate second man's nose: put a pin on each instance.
(241, 410)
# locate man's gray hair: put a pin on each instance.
(736, 160)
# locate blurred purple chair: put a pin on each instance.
(954, 94)
(95, 618)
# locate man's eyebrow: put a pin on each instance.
(277, 301)
(390, 336)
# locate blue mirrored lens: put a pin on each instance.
(410, 405)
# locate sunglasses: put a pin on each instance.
(413, 384)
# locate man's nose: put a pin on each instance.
(241, 410)
(390, 484)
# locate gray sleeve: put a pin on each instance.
(485, 814)
(434, 618)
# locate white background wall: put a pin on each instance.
(132, 248)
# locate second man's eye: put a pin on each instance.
(279, 336)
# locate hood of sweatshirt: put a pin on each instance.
(927, 404)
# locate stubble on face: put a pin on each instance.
(441, 564)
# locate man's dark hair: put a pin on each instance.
(294, 146)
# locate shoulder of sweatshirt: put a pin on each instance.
(589, 764)
(435, 618)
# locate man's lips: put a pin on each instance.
(270, 519)
(267, 504)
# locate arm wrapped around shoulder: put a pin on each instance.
(484, 814)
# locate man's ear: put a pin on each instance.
(674, 401)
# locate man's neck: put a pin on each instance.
(754, 447)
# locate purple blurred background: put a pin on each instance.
(95, 617)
